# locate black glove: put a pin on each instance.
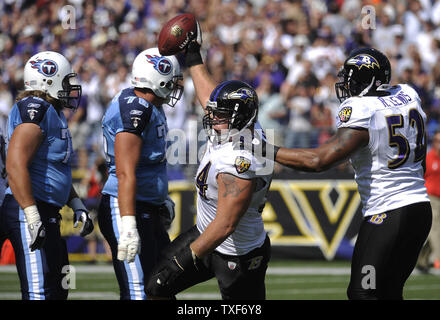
(184, 261)
(192, 50)
(87, 223)
(80, 213)
(38, 235)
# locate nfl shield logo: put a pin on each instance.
(242, 164)
(231, 265)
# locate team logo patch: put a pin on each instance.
(364, 60)
(46, 67)
(345, 114)
(32, 110)
(231, 265)
(243, 94)
(162, 64)
(135, 116)
(242, 164)
(378, 218)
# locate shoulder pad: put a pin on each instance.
(32, 109)
(135, 112)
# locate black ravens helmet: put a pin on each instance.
(233, 102)
(363, 72)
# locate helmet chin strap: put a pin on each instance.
(365, 91)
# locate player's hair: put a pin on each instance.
(39, 94)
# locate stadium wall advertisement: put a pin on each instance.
(305, 219)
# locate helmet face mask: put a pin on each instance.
(160, 74)
(363, 72)
(51, 73)
(176, 91)
(71, 93)
(232, 107)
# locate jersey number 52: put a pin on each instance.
(401, 143)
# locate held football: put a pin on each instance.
(176, 33)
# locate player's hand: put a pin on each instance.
(192, 49)
(129, 241)
(168, 215)
(87, 223)
(38, 235)
(184, 261)
(196, 37)
(80, 213)
(35, 227)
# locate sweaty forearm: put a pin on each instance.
(300, 159)
(203, 83)
(20, 182)
(127, 195)
(211, 238)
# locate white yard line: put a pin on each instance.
(270, 270)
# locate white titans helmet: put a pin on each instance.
(158, 73)
(51, 72)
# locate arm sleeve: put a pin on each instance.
(352, 114)
(135, 115)
(32, 110)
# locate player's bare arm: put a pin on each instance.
(203, 83)
(234, 197)
(127, 153)
(338, 148)
(24, 142)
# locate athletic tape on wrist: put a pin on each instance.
(32, 214)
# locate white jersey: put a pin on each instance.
(224, 158)
(388, 170)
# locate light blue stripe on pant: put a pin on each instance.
(135, 274)
(34, 266)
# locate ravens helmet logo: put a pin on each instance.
(363, 60)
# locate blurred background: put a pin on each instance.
(290, 51)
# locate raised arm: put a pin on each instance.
(203, 82)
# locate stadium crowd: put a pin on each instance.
(290, 51)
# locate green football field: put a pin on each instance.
(285, 280)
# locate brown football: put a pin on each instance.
(174, 34)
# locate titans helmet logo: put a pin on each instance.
(45, 66)
(161, 64)
(364, 60)
(243, 94)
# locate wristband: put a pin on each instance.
(32, 214)
(77, 205)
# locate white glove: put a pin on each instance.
(80, 213)
(35, 227)
(129, 242)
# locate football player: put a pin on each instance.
(39, 175)
(381, 129)
(228, 241)
(135, 197)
